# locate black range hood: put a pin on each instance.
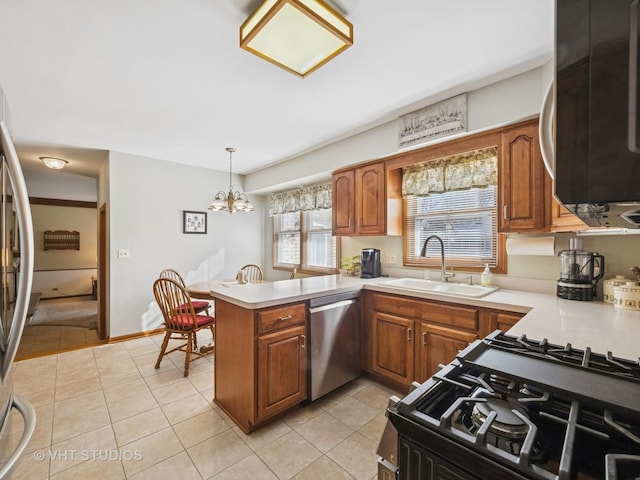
(596, 92)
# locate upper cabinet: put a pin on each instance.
(360, 201)
(526, 200)
(343, 191)
(523, 194)
(367, 198)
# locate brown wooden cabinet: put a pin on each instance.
(523, 190)
(562, 220)
(359, 200)
(491, 320)
(392, 347)
(410, 337)
(344, 203)
(526, 190)
(262, 370)
(282, 370)
(437, 345)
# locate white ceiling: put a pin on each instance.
(166, 78)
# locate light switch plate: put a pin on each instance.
(391, 258)
(124, 253)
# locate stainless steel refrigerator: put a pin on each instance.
(16, 252)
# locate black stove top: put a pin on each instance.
(509, 407)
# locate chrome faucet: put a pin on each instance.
(444, 276)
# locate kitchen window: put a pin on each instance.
(456, 199)
(303, 240)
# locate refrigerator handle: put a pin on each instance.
(25, 227)
(29, 416)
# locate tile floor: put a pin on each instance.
(105, 412)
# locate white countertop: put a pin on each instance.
(583, 324)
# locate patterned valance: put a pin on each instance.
(457, 172)
(316, 197)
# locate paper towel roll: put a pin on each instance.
(531, 246)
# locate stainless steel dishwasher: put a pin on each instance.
(335, 342)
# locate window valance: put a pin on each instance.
(478, 168)
(316, 197)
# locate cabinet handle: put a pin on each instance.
(408, 334)
(286, 317)
(424, 338)
(304, 341)
(505, 212)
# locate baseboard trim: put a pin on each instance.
(131, 336)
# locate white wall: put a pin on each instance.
(147, 197)
(67, 271)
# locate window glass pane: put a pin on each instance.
(289, 222)
(465, 220)
(289, 248)
(319, 219)
(321, 250)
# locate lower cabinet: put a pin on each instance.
(407, 339)
(261, 361)
(497, 320)
(282, 370)
(393, 349)
(437, 345)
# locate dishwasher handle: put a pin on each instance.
(330, 306)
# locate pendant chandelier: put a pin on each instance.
(232, 201)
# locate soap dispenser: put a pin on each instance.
(485, 278)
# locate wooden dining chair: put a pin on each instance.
(253, 272)
(180, 322)
(198, 305)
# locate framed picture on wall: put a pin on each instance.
(194, 222)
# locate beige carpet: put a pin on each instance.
(70, 312)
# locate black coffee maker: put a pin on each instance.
(369, 263)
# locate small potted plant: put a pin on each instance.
(350, 266)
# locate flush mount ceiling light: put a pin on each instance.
(232, 201)
(55, 163)
(297, 35)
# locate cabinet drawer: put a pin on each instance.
(454, 316)
(281, 317)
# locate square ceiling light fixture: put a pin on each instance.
(297, 35)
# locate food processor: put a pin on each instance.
(579, 272)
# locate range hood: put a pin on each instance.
(595, 158)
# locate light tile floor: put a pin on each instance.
(105, 412)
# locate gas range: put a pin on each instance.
(513, 408)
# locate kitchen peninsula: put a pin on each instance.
(262, 336)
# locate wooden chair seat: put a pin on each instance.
(180, 321)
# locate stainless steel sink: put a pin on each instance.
(442, 288)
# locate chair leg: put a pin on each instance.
(195, 341)
(188, 354)
(165, 342)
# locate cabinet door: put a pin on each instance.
(344, 209)
(522, 181)
(392, 352)
(370, 199)
(438, 346)
(562, 220)
(282, 370)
